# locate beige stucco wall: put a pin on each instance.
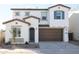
(24, 31)
(34, 24)
(63, 23)
(36, 13)
(58, 23)
(74, 25)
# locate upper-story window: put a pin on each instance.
(26, 13)
(17, 13)
(44, 15)
(59, 14)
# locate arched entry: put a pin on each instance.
(32, 34)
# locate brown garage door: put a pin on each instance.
(46, 34)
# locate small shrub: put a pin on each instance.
(8, 43)
(26, 43)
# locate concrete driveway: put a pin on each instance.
(57, 48)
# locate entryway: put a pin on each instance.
(32, 34)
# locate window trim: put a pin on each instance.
(62, 15)
(17, 35)
(44, 16)
(28, 13)
(17, 14)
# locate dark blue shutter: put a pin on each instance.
(54, 14)
(63, 15)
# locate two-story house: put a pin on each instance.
(35, 25)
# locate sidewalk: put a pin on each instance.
(17, 51)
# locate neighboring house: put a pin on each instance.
(34, 25)
(2, 36)
(74, 25)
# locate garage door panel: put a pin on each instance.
(50, 34)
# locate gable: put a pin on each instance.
(16, 20)
(60, 5)
(31, 17)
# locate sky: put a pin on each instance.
(6, 13)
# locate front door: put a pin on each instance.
(32, 34)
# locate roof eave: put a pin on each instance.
(26, 9)
(30, 17)
(59, 5)
(17, 20)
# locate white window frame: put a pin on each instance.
(43, 14)
(17, 14)
(61, 14)
(17, 35)
(28, 13)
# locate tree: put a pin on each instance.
(13, 32)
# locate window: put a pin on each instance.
(59, 14)
(44, 15)
(17, 32)
(17, 14)
(26, 13)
